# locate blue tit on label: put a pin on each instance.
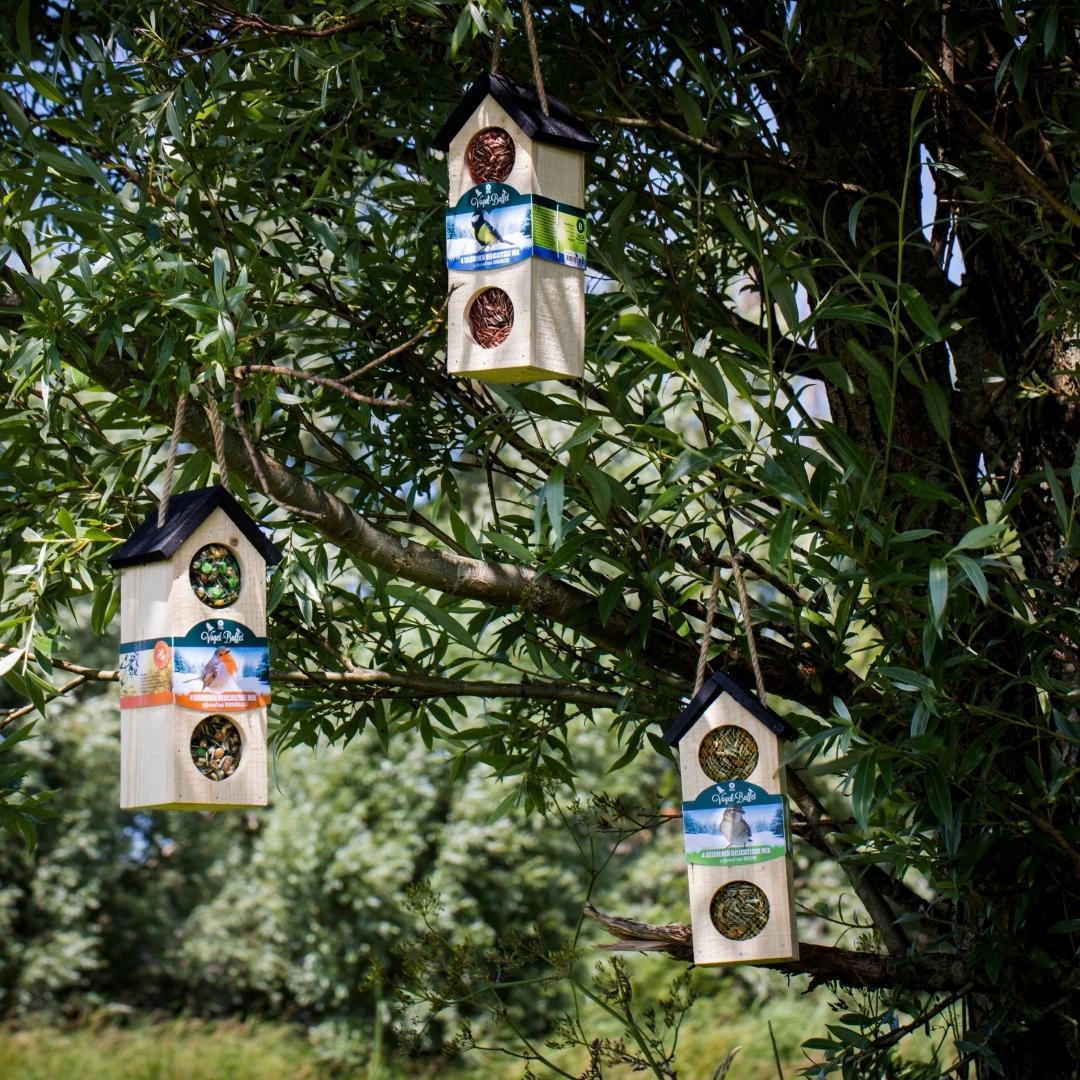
(484, 231)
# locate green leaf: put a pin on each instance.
(980, 537)
(938, 794)
(862, 795)
(939, 589)
(919, 312)
(974, 573)
(937, 406)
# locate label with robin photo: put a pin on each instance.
(734, 823)
(218, 666)
(495, 225)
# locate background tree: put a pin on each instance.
(876, 197)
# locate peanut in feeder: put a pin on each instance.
(194, 660)
(515, 235)
(735, 826)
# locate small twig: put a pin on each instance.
(397, 350)
(16, 714)
(227, 15)
(255, 457)
(241, 371)
(776, 1052)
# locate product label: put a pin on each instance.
(559, 232)
(494, 225)
(217, 666)
(734, 823)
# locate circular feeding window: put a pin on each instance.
(215, 576)
(490, 155)
(215, 747)
(491, 318)
(728, 753)
(739, 911)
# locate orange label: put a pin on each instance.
(162, 655)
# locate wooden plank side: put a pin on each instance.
(157, 771)
(489, 113)
(187, 610)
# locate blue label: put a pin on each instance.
(493, 225)
(734, 823)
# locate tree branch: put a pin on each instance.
(931, 972)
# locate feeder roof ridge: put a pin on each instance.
(520, 101)
(715, 685)
(187, 511)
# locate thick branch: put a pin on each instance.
(932, 972)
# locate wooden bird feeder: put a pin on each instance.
(515, 235)
(735, 826)
(194, 659)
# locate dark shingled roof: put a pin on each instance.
(561, 128)
(711, 689)
(187, 512)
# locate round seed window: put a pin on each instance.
(739, 911)
(728, 753)
(215, 747)
(491, 318)
(215, 576)
(490, 155)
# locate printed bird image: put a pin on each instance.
(484, 231)
(219, 672)
(734, 827)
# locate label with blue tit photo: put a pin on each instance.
(495, 225)
(734, 823)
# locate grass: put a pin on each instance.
(170, 1050)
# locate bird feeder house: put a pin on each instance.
(194, 659)
(515, 235)
(735, 826)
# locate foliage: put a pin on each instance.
(191, 187)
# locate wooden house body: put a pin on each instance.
(516, 227)
(735, 826)
(194, 659)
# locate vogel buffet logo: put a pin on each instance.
(735, 795)
(222, 634)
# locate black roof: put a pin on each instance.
(561, 128)
(711, 689)
(187, 512)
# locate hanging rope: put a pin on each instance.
(744, 601)
(496, 51)
(744, 606)
(170, 464)
(706, 632)
(217, 428)
(534, 52)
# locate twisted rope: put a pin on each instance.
(534, 52)
(496, 51)
(170, 464)
(744, 602)
(217, 429)
(706, 632)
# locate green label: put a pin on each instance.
(560, 232)
(734, 823)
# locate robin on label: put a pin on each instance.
(220, 670)
(484, 231)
